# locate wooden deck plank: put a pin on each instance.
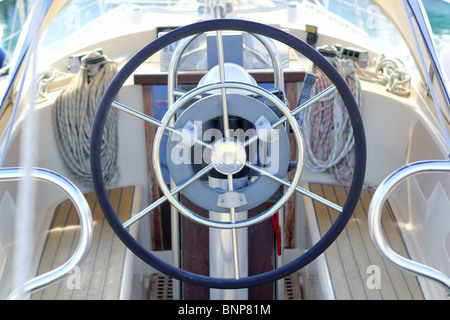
(101, 271)
(116, 261)
(324, 220)
(102, 252)
(350, 246)
(349, 258)
(77, 294)
(366, 257)
(66, 241)
(405, 281)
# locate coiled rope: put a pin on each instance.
(74, 114)
(392, 74)
(328, 133)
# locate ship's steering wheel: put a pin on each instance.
(240, 106)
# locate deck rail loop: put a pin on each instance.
(86, 227)
(375, 227)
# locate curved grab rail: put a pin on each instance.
(86, 224)
(174, 65)
(374, 219)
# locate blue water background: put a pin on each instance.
(438, 12)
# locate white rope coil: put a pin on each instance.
(74, 114)
(392, 74)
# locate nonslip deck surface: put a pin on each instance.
(348, 259)
(99, 276)
(353, 260)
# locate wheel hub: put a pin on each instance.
(229, 156)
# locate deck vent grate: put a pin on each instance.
(292, 289)
(161, 287)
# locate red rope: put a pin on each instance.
(276, 228)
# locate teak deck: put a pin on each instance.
(101, 272)
(349, 258)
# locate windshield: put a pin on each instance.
(202, 5)
(357, 21)
(113, 18)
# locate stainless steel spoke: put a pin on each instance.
(298, 188)
(307, 104)
(178, 92)
(221, 61)
(226, 129)
(297, 110)
(161, 200)
(233, 231)
(142, 116)
(154, 121)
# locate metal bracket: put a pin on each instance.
(231, 200)
(189, 134)
(265, 131)
(310, 80)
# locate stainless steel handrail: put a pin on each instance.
(86, 227)
(172, 80)
(374, 216)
